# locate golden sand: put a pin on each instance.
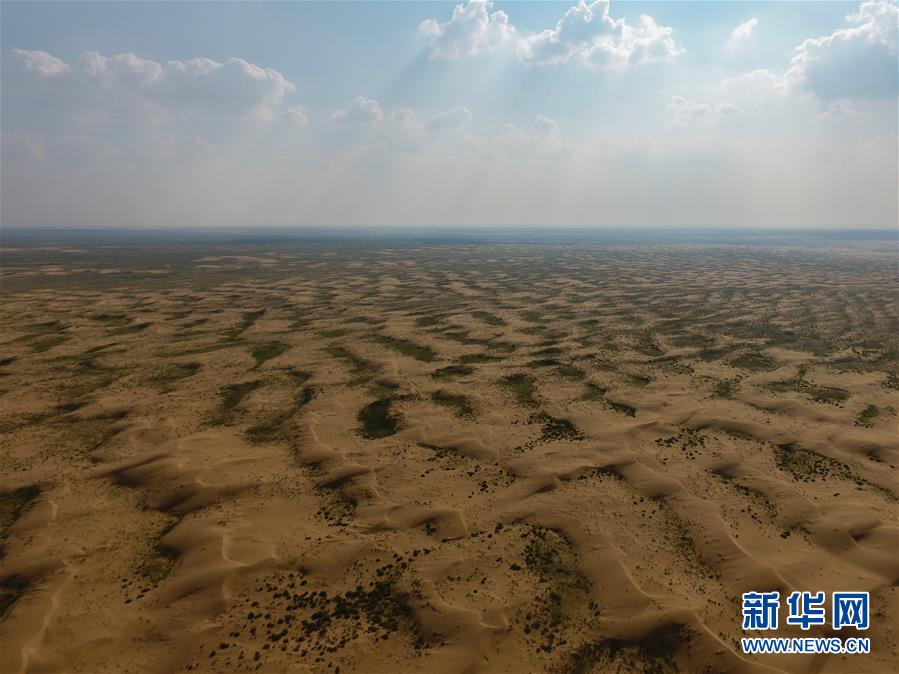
(458, 459)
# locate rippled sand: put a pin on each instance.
(441, 459)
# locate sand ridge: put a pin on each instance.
(458, 459)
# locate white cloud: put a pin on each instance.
(97, 86)
(443, 134)
(128, 70)
(402, 116)
(726, 108)
(742, 32)
(361, 111)
(582, 26)
(297, 116)
(40, 62)
(544, 126)
(762, 81)
(585, 33)
(402, 131)
(447, 134)
(539, 142)
(685, 112)
(838, 110)
(647, 42)
(449, 120)
(234, 87)
(853, 62)
(473, 29)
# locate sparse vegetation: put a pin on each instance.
(12, 506)
(623, 408)
(652, 655)
(427, 321)
(522, 388)
(46, 342)
(337, 507)
(867, 416)
(753, 360)
(376, 420)
(363, 371)
(562, 587)
(460, 404)
(821, 394)
(452, 371)
(232, 396)
(157, 562)
(570, 372)
(316, 623)
(11, 590)
(555, 429)
(474, 358)
(267, 351)
(247, 321)
(807, 466)
(275, 426)
(168, 375)
(487, 317)
(83, 435)
(416, 351)
(131, 328)
(726, 388)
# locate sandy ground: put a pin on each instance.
(458, 459)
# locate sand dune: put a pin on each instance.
(460, 459)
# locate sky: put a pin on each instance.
(188, 115)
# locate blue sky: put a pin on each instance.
(504, 113)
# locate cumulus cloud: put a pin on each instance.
(582, 26)
(40, 62)
(838, 110)
(538, 141)
(473, 29)
(451, 119)
(585, 33)
(442, 134)
(853, 62)
(685, 112)
(96, 85)
(447, 134)
(544, 126)
(297, 116)
(402, 131)
(402, 116)
(361, 111)
(743, 32)
(726, 108)
(761, 80)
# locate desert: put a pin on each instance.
(477, 456)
